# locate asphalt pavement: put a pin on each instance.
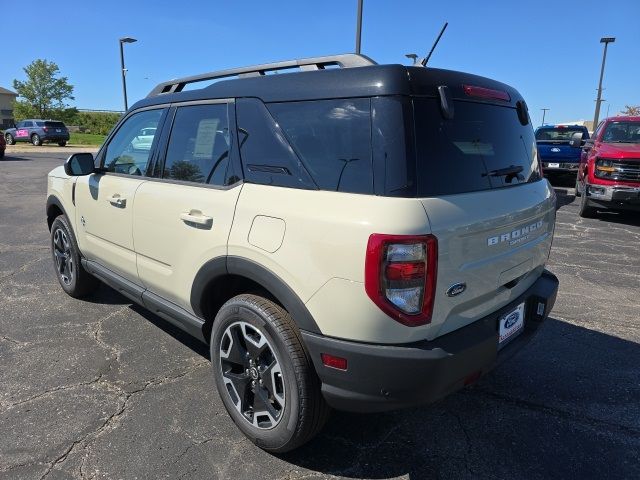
(100, 388)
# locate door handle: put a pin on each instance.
(197, 219)
(117, 200)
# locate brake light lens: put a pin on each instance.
(482, 92)
(400, 276)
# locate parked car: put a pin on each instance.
(557, 155)
(609, 173)
(366, 238)
(3, 145)
(38, 132)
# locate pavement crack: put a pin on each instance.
(22, 268)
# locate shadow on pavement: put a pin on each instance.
(624, 218)
(563, 198)
(12, 158)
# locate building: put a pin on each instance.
(7, 98)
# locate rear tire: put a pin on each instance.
(9, 138)
(62, 144)
(586, 211)
(248, 377)
(36, 140)
(73, 278)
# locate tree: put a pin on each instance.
(631, 111)
(44, 91)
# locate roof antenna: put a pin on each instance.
(435, 44)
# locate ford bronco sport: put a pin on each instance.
(609, 175)
(367, 237)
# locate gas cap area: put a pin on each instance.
(267, 233)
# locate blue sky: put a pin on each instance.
(550, 51)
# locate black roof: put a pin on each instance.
(366, 81)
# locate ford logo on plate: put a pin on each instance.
(555, 149)
(456, 289)
(511, 320)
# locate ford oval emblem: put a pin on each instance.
(555, 150)
(511, 320)
(456, 289)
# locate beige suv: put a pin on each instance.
(351, 235)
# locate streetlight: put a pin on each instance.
(124, 40)
(544, 113)
(606, 41)
(359, 27)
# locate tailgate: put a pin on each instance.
(494, 241)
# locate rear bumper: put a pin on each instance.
(619, 197)
(388, 377)
(56, 138)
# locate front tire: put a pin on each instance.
(264, 376)
(9, 138)
(73, 278)
(586, 211)
(36, 140)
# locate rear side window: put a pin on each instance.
(333, 140)
(484, 146)
(267, 157)
(199, 145)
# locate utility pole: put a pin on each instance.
(359, 27)
(544, 113)
(124, 70)
(606, 41)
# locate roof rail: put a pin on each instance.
(347, 60)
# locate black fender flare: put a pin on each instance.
(231, 265)
(52, 200)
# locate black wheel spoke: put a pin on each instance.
(261, 402)
(237, 352)
(241, 382)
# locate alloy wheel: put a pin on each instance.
(62, 254)
(252, 375)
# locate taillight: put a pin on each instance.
(482, 92)
(400, 276)
(45, 129)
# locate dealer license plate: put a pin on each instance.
(510, 325)
(553, 165)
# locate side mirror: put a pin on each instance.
(79, 164)
(576, 140)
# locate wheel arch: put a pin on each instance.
(54, 208)
(222, 278)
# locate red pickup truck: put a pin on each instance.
(609, 171)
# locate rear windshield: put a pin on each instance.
(483, 147)
(557, 134)
(54, 124)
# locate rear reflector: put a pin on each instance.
(333, 361)
(482, 92)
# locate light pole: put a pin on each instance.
(606, 41)
(359, 27)
(124, 40)
(544, 113)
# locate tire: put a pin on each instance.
(586, 211)
(249, 333)
(9, 138)
(36, 140)
(578, 188)
(73, 278)
(1, 154)
(62, 144)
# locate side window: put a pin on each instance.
(199, 145)
(129, 149)
(267, 157)
(27, 124)
(333, 139)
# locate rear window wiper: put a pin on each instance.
(509, 173)
(513, 170)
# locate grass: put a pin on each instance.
(86, 139)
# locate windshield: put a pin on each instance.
(482, 148)
(622, 132)
(557, 134)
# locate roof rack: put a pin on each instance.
(347, 60)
